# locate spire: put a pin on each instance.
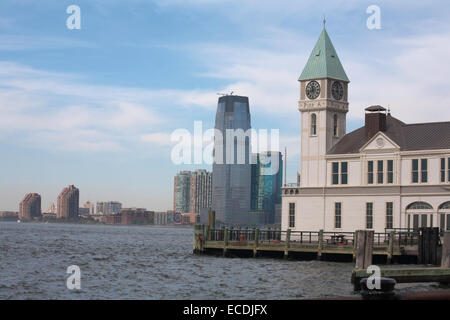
(323, 61)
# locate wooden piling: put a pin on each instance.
(288, 243)
(255, 248)
(390, 252)
(364, 249)
(225, 241)
(445, 262)
(355, 242)
(320, 247)
(212, 219)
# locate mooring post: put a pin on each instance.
(198, 240)
(288, 243)
(364, 249)
(355, 243)
(211, 223)
(255, 248)
(320, 247)
(225, 241)
(390, 253)
(445, 262)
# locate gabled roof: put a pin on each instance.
(324, 61)
(410, 137)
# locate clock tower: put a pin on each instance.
(323, 106)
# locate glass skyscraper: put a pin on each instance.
(267, 182)
(231, 167)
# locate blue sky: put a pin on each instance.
(95, 107)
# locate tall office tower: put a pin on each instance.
(68, 203)
(200, 190)
(181, 191)
(231, 168)
(267, 180)
(30, 207)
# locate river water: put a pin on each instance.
(143, 262)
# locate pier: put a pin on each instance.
(341, 246)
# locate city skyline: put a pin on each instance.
(99, 113)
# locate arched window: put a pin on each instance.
(419, 205)
(335, 125)
(313, 124)
(445, 206)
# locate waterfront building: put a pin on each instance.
(181, 191)
(136, 216)
(192, 191)
(266, 185)
(68, 203)
(200, 190)
(30, 207)
(384, 175)
(231, 180)
(108, 207)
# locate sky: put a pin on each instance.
(96, 107)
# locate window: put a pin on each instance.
(442, 222)
(291, 215)
(370, 172)
(380, 173)
(424, 170)
(442, 169)
(419, 205)
(338, 215)
(416, 222)
(389, 215)
(448, 169)
(390, 172)
(424, 220)
(415, 170)
(335, 125)
(344, 172)
(313, 124)
(335, 173)
(369, 215)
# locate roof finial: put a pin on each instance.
(324, 21)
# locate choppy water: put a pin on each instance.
(134, 262)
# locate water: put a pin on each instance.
(134, 262)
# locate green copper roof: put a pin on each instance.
(323, 61)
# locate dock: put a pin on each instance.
(320, 244)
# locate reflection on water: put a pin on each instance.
(133, 262)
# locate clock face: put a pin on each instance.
(312, 90)
(337, 90)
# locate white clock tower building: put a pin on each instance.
(323, 106)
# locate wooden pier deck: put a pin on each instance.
(321, 244)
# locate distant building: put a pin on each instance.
(136, 216)
(90, 206)
(9, 215)
(83, 211)
(181, 191)
(108, 207)
(30, 207)
(231, 168)
(192, 191)
(267, 182)
(68, 203)
(51, 209)
(190, 218)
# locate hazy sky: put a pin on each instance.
(95, 107)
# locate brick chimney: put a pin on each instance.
(375, 120)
